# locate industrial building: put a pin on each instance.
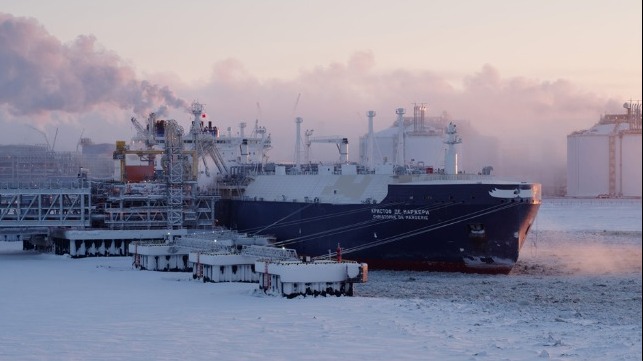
(605, 160)
(95, 202)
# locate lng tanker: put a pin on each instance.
(392, 215)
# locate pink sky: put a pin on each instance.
(526, 74)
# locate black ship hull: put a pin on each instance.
(440, 227)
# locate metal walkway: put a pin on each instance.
(28, 209)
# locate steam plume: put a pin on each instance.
(40, 74)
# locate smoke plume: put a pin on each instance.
(40, 74)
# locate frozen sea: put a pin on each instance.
(575, 294)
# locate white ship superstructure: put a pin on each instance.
(415, 140)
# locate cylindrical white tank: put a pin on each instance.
(631, 161)
(587, 165)
(604, 161)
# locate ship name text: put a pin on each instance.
(400, 214)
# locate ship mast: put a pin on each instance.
(371, 140)
(298, 121)
(244, 143)
(399, 155)
(451, 156)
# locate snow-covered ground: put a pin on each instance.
(574, 295)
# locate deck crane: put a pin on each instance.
(80, 139)
(53, 144)
(49, 147)
(142, 134)
(340, 142)
(208, 147)
(204, 143)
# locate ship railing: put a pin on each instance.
(453, 177)
(130, 225)
(221, 239)
(217, 232)
(268, 252)
(331, 260)
(437, 175)
(150, 242)
(47, 184)
(204, 246)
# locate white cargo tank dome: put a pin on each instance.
(418, 142)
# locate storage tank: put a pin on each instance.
(605, 160)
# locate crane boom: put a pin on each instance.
(141, 133)
(341, 142)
